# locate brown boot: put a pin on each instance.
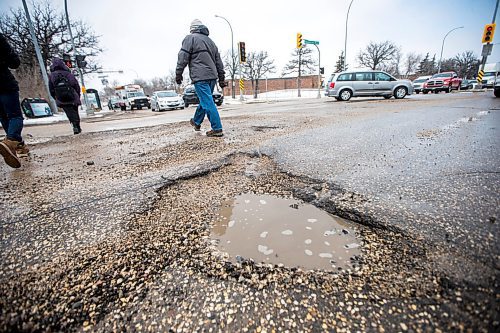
(22, 150)
(8, 151)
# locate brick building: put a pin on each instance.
(273, 84)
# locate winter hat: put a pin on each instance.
(195, 25)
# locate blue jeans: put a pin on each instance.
(11, 116)
(207, 106)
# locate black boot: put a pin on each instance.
(76, 128)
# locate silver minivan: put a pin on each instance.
(367, 83)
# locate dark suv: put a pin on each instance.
(190, 97)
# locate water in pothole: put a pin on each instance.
(274, 230)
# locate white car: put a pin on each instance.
(418, 83)
(166, 100)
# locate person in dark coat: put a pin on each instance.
(62, 79)
(205, 67)
(11, 116)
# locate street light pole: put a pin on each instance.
(345, 40)
(41, 63)
(319, 71)
(442, 46)
(232, 56)
(80, 72)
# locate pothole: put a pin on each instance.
(275, 230)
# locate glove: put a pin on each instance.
(178, 79)
(222, 83)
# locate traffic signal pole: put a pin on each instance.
(485, 54)
(89, 111)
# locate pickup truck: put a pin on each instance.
(446, 81)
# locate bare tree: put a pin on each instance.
(52, 34)
(467, 64)
(258, 64)
(375, 55)
(51, 31)
(411, 63)
(306, 65)
(301, 63)
(231, 67)
(393, 66)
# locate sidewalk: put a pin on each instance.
(61, 117)
(269, 97)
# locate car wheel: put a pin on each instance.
(496, 92)
(186, 105)
(345, 95)
(417, 92)
(436, 91)
(400, 92)
(448, 90)
(425, 92)
(387, 96)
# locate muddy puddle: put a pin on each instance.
(275, 230)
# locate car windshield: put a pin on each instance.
(420, 80)
(441, 75)
(135, 94)
(167, 94)
(489, 74)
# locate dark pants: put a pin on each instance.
(11, 116)
(72, 114)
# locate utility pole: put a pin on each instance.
(89, 111)
(41, 63)
(486, 47)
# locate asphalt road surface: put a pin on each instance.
(111, 230)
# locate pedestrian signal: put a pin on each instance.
(243, 55)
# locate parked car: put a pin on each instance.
(446, 81)
(418, 83)
(468, 84)
(166, 100)
(367, 83)
(190, 97)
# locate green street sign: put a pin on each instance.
(312, 42)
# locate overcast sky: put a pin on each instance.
(145, 36)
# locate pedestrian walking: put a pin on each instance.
(200, 53)
(65, 89)
(11, 116)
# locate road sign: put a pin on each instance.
(312, 42)
(480, 76)
(487, 49)
(242, 85)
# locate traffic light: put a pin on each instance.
(80, 61)
(243, 55)
(322, 70)
(299, 40)
(67, 60)
(489, 31)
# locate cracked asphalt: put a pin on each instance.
(110, 230)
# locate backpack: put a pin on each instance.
(64, 91)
